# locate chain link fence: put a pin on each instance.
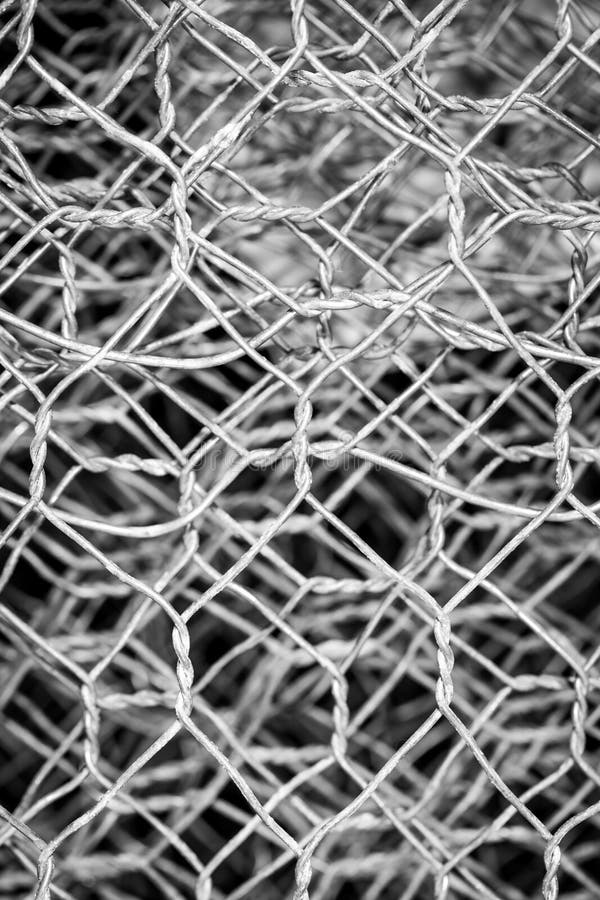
(300, 422)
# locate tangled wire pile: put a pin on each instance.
(299, 335)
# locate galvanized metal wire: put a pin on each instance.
(299, 336)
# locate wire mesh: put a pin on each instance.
(300, 501)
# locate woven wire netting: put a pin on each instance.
(299, 453)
